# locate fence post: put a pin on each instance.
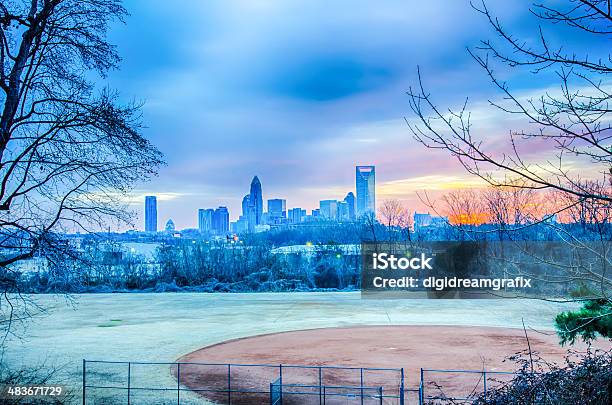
(280, 379)
(324, 394)
(178, 383)
(129, 381)
(361, 383)
(484, 375)
(380, 395)
(229, 384)
(84, 365)
(320, 385)
(422, 396)
(402, 387)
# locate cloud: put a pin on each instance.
(434, 182)
(297, 92)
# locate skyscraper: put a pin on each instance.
(256, 203)
(277, 210)
(205, 219)
(296, 215)
(246, 200)
(343, 211)
(329, 209)
(150, 213)
(221, 221)
(350, 201)
(365, 185)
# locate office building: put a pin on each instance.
(296, 215)
(255, 204)
(221, 221)
(241, 225)
(350, 201)
(343, 211)
(329, 209)
(205, 219)
(365, 185)
(150, 213)
(246, 200)
(277, 211)
(427, 220)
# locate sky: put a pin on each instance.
(299, 92)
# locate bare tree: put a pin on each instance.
(465, 208)
(588, 213)
(69, 150)
(570, 126)
(396, 218)
(510, 208)
(370, 223)
(573, 122)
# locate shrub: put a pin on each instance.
(585, 379)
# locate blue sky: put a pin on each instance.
(298, 93)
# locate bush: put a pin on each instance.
(42, 374)
(326, 276)
(585, 379)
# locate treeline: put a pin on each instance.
(251, 264)
(196, 265)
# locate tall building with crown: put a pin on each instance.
(255, 204)
(365, 185)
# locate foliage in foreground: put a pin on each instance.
(585, 379)
(40, 375)
(593, 319)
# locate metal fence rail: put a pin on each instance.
(483, 375)
(121, 378)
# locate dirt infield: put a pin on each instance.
(410, 347)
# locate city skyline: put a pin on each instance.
(220, 220)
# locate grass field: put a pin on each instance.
(163, 327)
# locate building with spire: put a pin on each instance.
(255, 204)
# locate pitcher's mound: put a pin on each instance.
(408, 347)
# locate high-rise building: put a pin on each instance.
(248, 213)
(255, 204)
(343, 211)
(296, 215)
(365, 185)
(241, 225)
(329, 209)
(350, 201)
(221, 221)
(245, 205)
(205, 219)
(277, 211)
(150, 213)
